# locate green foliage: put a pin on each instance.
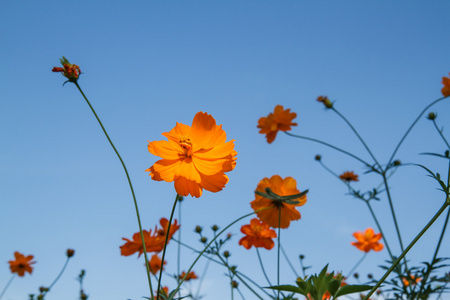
(315, 286)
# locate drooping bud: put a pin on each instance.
(325, 101)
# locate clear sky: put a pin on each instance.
(149, 64)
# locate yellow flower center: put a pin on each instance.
(186, 144)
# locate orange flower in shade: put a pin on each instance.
(21, 264)
(367, 240)
(281, 187)
(327, 294)
(195, 157)
(153, 242)
(258, 234)
(279, 120)
(411, 279)
(155, 264)
(163, 293)
(349, 176)
(190, 275)
(70, 71)
(446, 89)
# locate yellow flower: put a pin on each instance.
(195, 157)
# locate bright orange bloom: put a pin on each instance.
(411, 279)
(279, 120)
(70, 71)
(155, 264)
(190, 275)
(258, 234)
(446, 89)
(367, 240)
(195, 157)
(349, 176)
(153, 242)
(22, 264)
(281, 187)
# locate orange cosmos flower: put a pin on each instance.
(190, 275)
(153, 242)
(349, 176)
(279, 120)
(367, 240)
(70, 71)
(22, 264)
(446, 89)
(281, 187)
(411, 279)
(155, 264)
(195, 157)
(258, 234)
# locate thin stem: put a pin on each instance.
(357, 134)
(59, 275)
(202, 277)
(165, 246)
(179, 249)
(288, 261)
(356, 265)
(7, 285)
(397, 261)
(278, 252)
(262, 266)
(411, 127)
(379, 229)
(212, 241)
(329, 145)
(131, 187)
(440, 133)
(391, 205)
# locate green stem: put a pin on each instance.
(357, 134)
(380, 230)
(329, 145)
(411, 127)
(179, 249)
(278, 252)
(356, 265)
(440, 133)
(391, 205)
(129, 182)
(262, 266)
(289, 262)
(59, 275)
(165, 246)
(7, 285)
(397, 261)
(212, 241)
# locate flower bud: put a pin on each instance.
(370, 276)
(70, 71)
(203, 240)
(397, 163)
(325, 101)
(302, 256)
(431, 116)
(226, 254)
(318, 157)
(234, 284)
(198, 229)
(70, 252)
(215, 228)
(356, 275)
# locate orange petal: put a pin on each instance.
(165, 169)
(185, 187)
(214, 183)
(165, 149)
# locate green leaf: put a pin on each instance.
(350, 289)
(333, 286)
(288, 288)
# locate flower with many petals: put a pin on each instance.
(70, 71)
(279, 120)
(257, 234)
(446, 89)
(278, 213)
(349, 176)
(155, 264)
(21, 264)
(191, 275)
(195, 157)
(368, 240)
(154, 242)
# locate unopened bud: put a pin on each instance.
(215, 228)
(431, 116)
(325, 101)
(234, 284)
(198, 229)
(203, 239)
(318, 157)
(226, 254)
(70, 252)
(397, 163)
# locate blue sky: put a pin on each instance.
(149, 64)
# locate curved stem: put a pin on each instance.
(59, 275)
(411, 127)
(440, 133)
(165, 246)
(357, 134)
(289, 262)
(397, 261)
(380, 230)
(262, 267)
(7, 285)
(356, 265)
(278, 252)
(329, 145)
(129, 182)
